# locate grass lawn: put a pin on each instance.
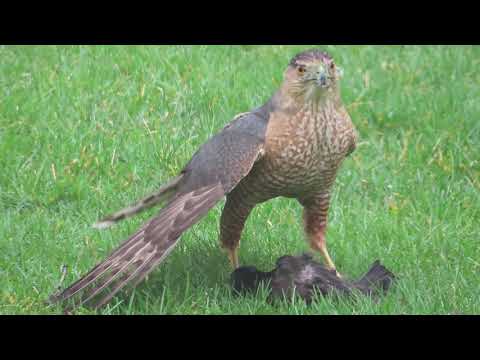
(85, 130)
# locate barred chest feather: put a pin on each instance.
(304, 150)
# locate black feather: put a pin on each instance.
(306, 277)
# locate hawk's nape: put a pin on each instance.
(138, 256)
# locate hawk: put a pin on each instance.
(292, 146)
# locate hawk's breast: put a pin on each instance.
(304, 150)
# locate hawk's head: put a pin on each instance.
(312, 72)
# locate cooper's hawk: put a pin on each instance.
(292, 146)
(305, 277)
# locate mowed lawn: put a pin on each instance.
(86, 130)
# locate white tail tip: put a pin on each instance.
(103, 224)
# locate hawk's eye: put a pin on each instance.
(301, 70)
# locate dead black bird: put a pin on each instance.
(307, 277)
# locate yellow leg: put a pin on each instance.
(326, 256)
(233, 257)
(318, 243)
(315, 222)
(234, 215)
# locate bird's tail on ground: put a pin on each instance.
(377, 277)
(165, 191)
(132, 261)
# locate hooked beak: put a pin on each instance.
(322, 76)
(322, 80)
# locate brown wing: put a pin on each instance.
(229, 155)
(213, 171)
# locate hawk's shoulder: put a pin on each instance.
(230, 154)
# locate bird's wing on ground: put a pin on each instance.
(213, 171)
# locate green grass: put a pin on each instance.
(85, 130)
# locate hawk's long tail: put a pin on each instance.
(138, 255)
(147, 202)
